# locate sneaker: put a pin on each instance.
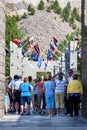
(28, 113)
(56, 115)
(16, 113)
(6, 113)
(21, 113)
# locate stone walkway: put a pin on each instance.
(34, 122)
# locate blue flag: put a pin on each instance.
(39, 62)
(34, 57)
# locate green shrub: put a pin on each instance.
(41, 5)
(24, 15)
(11, 30)
(71, 20)
(66, 12)
(74, 26)
(54, 4)
(57, 10)
(48, 9)
(31, 9)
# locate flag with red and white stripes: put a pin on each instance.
(36, 49)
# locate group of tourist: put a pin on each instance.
(48, 95)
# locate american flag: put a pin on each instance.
(36, 49)
(30, 41)
(52, 47)
(55, 41)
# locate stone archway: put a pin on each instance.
(84, 56)
(2, 55)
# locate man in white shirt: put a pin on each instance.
(59, 92)
(16, 93)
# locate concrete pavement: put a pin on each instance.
(37, 122)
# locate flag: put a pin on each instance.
(45, 66)
(39, 62)
(76, 38)
(49, 55)
(16, 41)
(23, 52)
(52, 47)
(21, 43)
(34, 56)
(79, 52)
(36, 49)
(30, 41)
(55, 41)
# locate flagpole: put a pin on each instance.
(29, 39)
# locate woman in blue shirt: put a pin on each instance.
(25, 95)
(49, 87)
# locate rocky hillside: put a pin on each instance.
(43, 25)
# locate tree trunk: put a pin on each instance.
(84, 58)
(2, 56)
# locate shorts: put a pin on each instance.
(17, 96)
(6, 99)
(59, 100)
(25, 99)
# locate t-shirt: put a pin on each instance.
(17, 84)
(49, 87)
(24, 88)
(40, 86)
(60, 86)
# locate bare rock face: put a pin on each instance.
(43, 25)
(17, 5)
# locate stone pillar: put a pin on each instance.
(2, 56)
(84, 58)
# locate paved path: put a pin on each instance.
(37, 122)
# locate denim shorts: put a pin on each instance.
(25, 99)
(6, 99)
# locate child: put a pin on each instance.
(6, 102)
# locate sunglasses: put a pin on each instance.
(70, 72)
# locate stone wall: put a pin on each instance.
(2, 56)
(84, 57)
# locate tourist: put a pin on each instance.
(59, 92)
(49, 87)
(25, 95)
(74, 94)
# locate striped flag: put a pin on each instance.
(36, 49)
(30, 41)
(49, 55)
(55, 41)
(52, 47)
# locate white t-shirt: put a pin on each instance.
(17, 84)
(70, 78)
